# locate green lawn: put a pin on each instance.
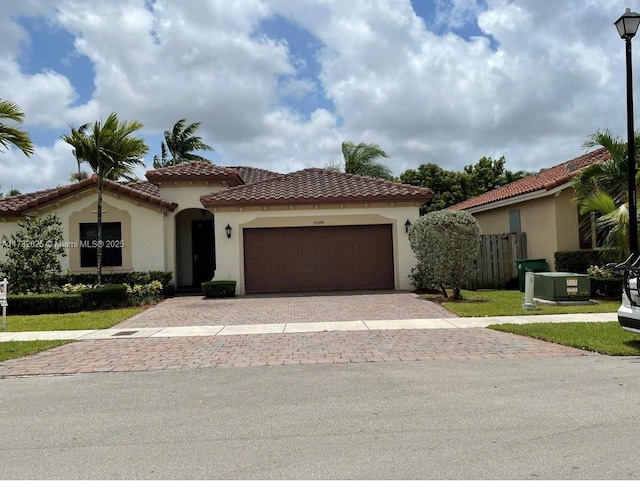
(84, 320)
(508, 303)
(13, 350)
(605, 338)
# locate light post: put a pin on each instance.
(627, 26)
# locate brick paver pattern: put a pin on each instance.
(252, 310)
(146, 354)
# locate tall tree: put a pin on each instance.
(111, 150)
(448, 187)
(362, 159)
(181, 143)
(11, 134)
(602, 189)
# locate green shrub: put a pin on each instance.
(446, 244)
(105, 297)
(577, 261)
(143, 293)
(602, 287)
(35, 304)
(130, 278)
(33, 254)
(219, 289)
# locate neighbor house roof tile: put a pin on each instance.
(21, 205)
(546, 179)
(316, 185)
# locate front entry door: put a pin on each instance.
(202, 251)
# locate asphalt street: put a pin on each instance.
(553, 418)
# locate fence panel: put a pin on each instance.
(496, 261)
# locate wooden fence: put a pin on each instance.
(496, 262)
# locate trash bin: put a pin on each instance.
(533, 265)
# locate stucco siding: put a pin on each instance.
(229, 252)
(537, 219)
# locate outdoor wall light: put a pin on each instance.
(228, 230)
(407, 225)
(627, 26)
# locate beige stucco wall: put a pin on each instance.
(8, 227)
(229, 252)
(567, 221)
(538, 219)
(142, 230)
(187, 195)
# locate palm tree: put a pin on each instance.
(11, 134)
(181, 143)
(602, 190)
(362, 159)
(111, 150)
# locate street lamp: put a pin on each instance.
(627, 26)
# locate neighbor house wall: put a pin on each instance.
(229, 252)
(537, 219)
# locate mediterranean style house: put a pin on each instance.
(307, 231)
(541, 206)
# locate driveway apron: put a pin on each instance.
(320, 347)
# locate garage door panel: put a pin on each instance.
(337, 258)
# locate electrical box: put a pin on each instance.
(561, 286)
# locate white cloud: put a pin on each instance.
(542, 77)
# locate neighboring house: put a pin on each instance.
(541, 206)
(312, 230)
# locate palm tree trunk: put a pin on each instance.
(99, 229)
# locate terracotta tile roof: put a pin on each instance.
(546, 179)
(145, 186)
(251, 175)
(314, 186)
(21, 205)
(194, 171)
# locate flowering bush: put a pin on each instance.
(76, 288)
(144, 293)
(136, 295)
(599, 272)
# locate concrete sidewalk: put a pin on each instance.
(123, 332)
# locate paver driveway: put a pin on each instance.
(252, 310)
(143, 354)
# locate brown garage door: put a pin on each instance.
(328, 258)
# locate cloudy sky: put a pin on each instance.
(279, 84)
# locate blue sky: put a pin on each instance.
(280, 84)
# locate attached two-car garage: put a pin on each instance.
(322, 258)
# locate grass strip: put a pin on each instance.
(605, 338)
(84, 320)
(13, 350)
(508, 303)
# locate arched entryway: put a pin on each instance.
(195, 247)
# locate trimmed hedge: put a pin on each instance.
(37, 304)
(606, 288)
(105, 297)
(577, 261)
(130, 278)
(219, 289)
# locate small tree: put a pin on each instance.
(33, 253)
(446, 244)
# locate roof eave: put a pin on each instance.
(306, 201)
(529, 196)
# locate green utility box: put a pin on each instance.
(531, 265)
(561, 286)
